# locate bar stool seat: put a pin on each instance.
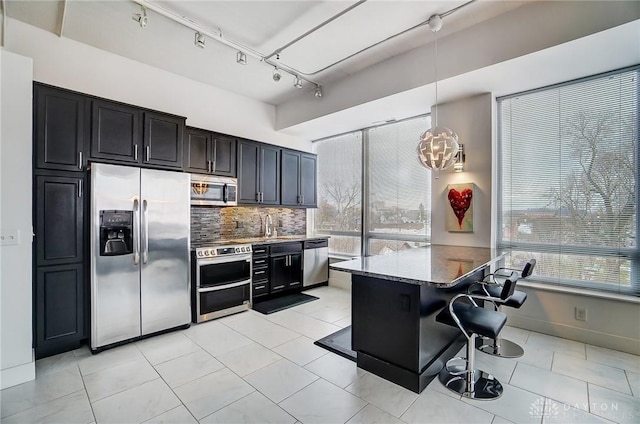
(492, 286)
(473, 320)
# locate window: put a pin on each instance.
(396, 193)
(568, 181)
(339, 212)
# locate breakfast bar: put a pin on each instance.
(395, 301)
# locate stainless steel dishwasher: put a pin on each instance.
(316, 262)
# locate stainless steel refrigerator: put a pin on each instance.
(140, 229)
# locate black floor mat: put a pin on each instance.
(280, 303)
(339, 343)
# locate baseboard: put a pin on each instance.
(609, 341)
(17, 375)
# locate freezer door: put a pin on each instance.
(165, 277)
(115, 280)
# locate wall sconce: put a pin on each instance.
(458, 165)
(241, 58)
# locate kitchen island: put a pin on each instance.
(395, 300)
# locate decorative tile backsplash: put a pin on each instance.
(211, 224)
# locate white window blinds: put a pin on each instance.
(568, 195)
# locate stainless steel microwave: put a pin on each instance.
(210, 190)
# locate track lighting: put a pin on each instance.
(199, 41)
(276, 75)
(318, 92)
(241, 58)
(141, 18)
(297, 82)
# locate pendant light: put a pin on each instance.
(438, 145)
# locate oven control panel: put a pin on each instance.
(211, 252)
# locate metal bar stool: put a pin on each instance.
(493, 287)
(474, 320)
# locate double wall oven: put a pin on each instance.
(221, 281)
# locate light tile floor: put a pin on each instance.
(254, 368)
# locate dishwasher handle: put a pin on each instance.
(316, 244)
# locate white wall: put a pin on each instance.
(69, 64)
(16, 356)
(611, 322)
(471, 119)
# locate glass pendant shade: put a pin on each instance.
(438, 148)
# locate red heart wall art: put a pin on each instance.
(460, 202)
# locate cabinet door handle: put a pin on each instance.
(302, 202)
(148, 152)
(215, 155)
(259, 262)
(135, 152)
(259, 272)
(259, 287)
(261, 197)
(79, 188)
(213, 166)
(278, 287)
(258, 197)
(79, 160)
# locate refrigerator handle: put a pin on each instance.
(145, 217)
(136, 231)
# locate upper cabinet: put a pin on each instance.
(298, 179)
(163, 140)
(209, 153)
(115, 132)
(258, 173)
(60, 123)
(126, 134)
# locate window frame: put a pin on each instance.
(364, 235)
(631, 254)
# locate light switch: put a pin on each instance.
(9, 237)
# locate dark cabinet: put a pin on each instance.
(258, 173)
(285, 266)
(59, 285)
(115, 132)
(224, 155)
(59, 309)
(59, 125)
(298, 179)
(163, 140)
(209, 153)
(59, 219)
(260, 271)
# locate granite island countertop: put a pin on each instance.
(434, 265)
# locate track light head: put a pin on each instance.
(141, 18)
(318, 91)
(297, 82)
(199, 40)
(276, 75)
(241, 58)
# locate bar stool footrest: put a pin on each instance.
(486, 386)
(504, 349)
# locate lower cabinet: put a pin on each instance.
(260, 271)
(59, 309)
(285, 267)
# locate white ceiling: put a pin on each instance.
(262, 26)
(562, 41)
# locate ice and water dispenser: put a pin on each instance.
(116, 233)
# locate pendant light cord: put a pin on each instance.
(436, 66)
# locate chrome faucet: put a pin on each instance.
(267, 226)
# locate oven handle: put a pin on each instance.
(226, 286)
(221, 260)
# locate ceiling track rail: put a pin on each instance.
(217, 36)
(391, 37)
(267, 59)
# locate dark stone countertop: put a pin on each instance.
(434, 265)
(279, 239)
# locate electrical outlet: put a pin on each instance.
(9, 237)
(581, 314)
